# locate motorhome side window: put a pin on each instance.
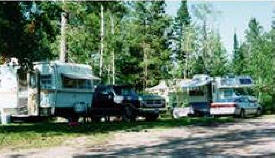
(46, 81)
(228, 92)
(76, 83)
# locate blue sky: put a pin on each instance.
(234, 15)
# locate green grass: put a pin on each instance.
(29, 135)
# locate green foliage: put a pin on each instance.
(146, 45)
(181, 30)
(140, 35)
(255, 57)
(27, 31)
(238, 57)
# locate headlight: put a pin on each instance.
(118, 99)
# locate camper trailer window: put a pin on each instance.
(69, 83)
(76, 83)
(196, 92)
(46, 81)
(84, 84)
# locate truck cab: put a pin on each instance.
(121, 100)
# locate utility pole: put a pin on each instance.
(62, 56)
(101, 41)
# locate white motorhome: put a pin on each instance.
(51, 89)
(232, 96)
(209, 95)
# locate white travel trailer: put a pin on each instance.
(199, 94)
(51, 89)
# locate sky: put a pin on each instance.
(233, 17)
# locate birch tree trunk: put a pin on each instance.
(101, 41)
(145, 60)
(113, 51)
(62, 56)
(205, 57)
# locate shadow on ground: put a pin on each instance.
(105, 127)
(217, 145)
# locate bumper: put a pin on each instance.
(223, 111)
(143, 111)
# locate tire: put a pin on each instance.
(242, 114)
(73, 118)
(128, 114)
(214, 116)
(259, 112)
(96, 119)
(152, 117)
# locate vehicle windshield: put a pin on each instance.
(125, 91)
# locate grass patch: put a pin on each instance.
(36, 135)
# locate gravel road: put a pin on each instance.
(249, 137)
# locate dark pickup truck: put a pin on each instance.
(123, 101)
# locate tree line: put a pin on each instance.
(136, 42)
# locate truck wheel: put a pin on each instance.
(128, 115)
(96, 119)
(242, 114)
(73, 118)
(152, 117)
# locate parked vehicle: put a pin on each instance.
(51, 89)
(216, 95)
(199, 94)
(115, 100)
(153, 101)
(238, 106)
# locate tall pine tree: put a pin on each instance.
(181, 22)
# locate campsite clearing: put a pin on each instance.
(248, 137)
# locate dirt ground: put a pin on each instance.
(249, 137)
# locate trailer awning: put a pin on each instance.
(80, 76)
(197, 81)
(161, 85)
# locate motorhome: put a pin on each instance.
(233, 96)
(211, 95)
(50, 89)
